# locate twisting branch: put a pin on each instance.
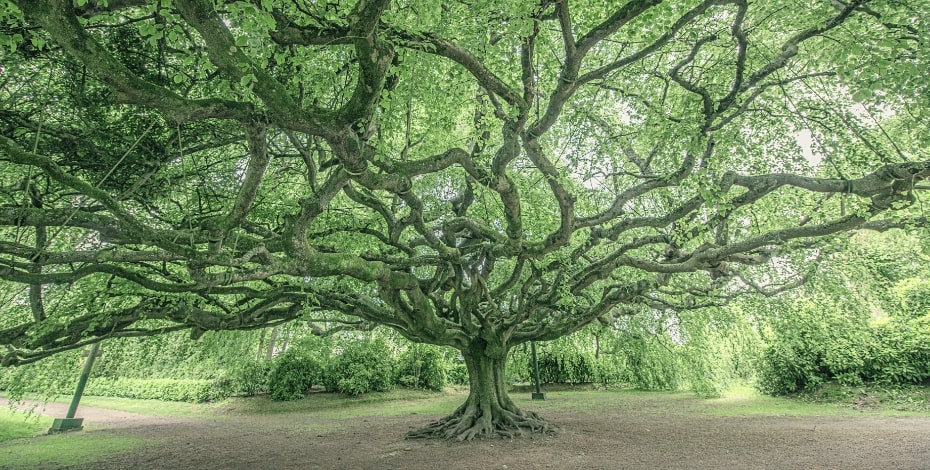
(395, 165)
(58, 18)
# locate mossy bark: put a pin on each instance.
(488, 411)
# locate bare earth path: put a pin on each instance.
(640, 434)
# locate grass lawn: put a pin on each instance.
(30, 447)
(144, 407)
(18, 424)
(829, 400)
(25, 445)
(73, 448)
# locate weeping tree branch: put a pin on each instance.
(432, 178)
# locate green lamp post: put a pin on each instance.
(69, 422)
(538, 394)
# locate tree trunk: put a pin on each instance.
(269, 352)
(261, 344)
(488, 412)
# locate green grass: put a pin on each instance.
(901, 400)
(830, 400)
(325, 413)
(593, 402)
(76, 448)
(144, 407)
(333, 405)
(748, 401)
(18, 424)
(152, 407)
(738, 401)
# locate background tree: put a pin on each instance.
(862, 320)
(474, 174)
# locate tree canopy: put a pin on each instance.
(474, 174)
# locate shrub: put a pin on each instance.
(292, 375)
(249, 378)
(608, 370)
(422, 366)
(651, 368)
(58, 375)
(914, 297)
(55, 375)
(787, 366)
(815, 346)
(364, 366)
(561, 363)
(188, 390)
(901, 353)
(457, 373)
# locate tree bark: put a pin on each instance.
(269, 352)
(261, 344)
(488, 411)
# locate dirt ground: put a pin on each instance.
(637, 436)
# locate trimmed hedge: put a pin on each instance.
(188, 390)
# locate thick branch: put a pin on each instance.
(58, 18)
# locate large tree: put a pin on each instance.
(473, 173)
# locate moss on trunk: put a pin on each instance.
(488, 411)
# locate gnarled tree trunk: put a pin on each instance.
(489, 411)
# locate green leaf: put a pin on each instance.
(862, 95)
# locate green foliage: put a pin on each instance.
(187, 390)
(56, 375)
(422, 366)
(364, 365)
(651, 363)
(863, 320)
(457, 373)
(817, 342)
(292, 375)
(900, 352)
(565, 360)
(250, 378)
(809, 342)
(19, 424)
(609, 370)
(788, 367)
(914, 295)
(704, 350)
(173, 366)
(564, 365)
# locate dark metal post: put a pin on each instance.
(69, 422)
(538, 395)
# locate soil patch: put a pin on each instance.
(620, 431)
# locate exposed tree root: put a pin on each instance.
(471, 420)
(488, 412)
